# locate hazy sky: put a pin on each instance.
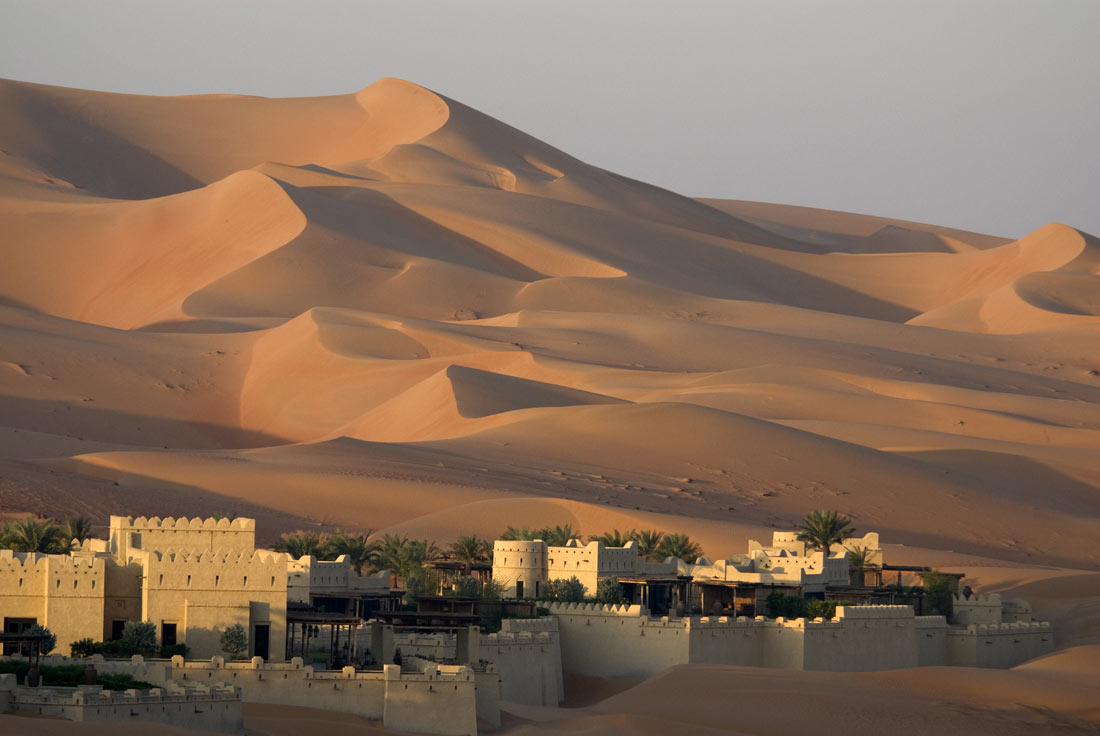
(979, 114)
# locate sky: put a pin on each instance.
(977, 114)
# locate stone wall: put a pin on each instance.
(422, 697)
(204, 593)
(191, 535)
(526, 654)
(998, 645)
(213, 707)
(61, 592)
(623, 641)
(977, 609)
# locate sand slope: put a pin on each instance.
(387, 310)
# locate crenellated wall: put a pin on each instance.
(310, 575)
(623, 641)
(976, 609)
(62, 592)
(998, 645)
(204, 593)
(420, 697)
(526, 653)
(155, 534)
(207, 707)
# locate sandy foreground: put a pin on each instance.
(385, 310)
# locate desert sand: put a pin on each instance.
(385, 310)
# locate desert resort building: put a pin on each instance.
(321, 635)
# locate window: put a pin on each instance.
(519, 589)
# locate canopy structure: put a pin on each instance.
(29, 645)
(304, 628)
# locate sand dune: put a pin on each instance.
(1051, 695)
(387, 310)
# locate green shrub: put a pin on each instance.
(569, 590)
(17, 667)
(788, 606)
(66, 675)
(937, 591)
(85, 648)
(122, 682)
(48, 644)
(139, 637)
(466, 586)
(170, 650)
(608, 591)
(824, 609)
(234, 640)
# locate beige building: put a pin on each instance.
(524, 567)
(192, 578)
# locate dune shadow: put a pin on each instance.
(97, 159)
(85, 421)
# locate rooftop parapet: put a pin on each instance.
(993, 599)
(863, 612)
(168, 523)
(1014, 627)
(598, 609)
(192, 557)
(34, 561)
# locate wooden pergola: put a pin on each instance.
(33, 642)
(305, 627)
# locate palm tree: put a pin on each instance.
(557, 536)
(471, 549)
(858, 561)
(389, 552)
(679, 545)
(404, 556)
(300, 544)
(614, 538)
(355, 546)
(822, 529)
(76, 529)
(520, 534)
(33, 535)
(649, 543)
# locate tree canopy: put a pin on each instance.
(822, 529)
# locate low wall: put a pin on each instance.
(618, 641)
(215, 707)
(930, 633)
(623, 641)
(998, 645)
(437, 699)
(526, 654)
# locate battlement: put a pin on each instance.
(191, 557)
(172, 692)
(522, 637)
(930, 622)
(519, 545)
(865, 612)
(1004, 628)
(154, 534)
(993, 599)
(168, 523)
(598, 609)
(32, 562)
(542, 623)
